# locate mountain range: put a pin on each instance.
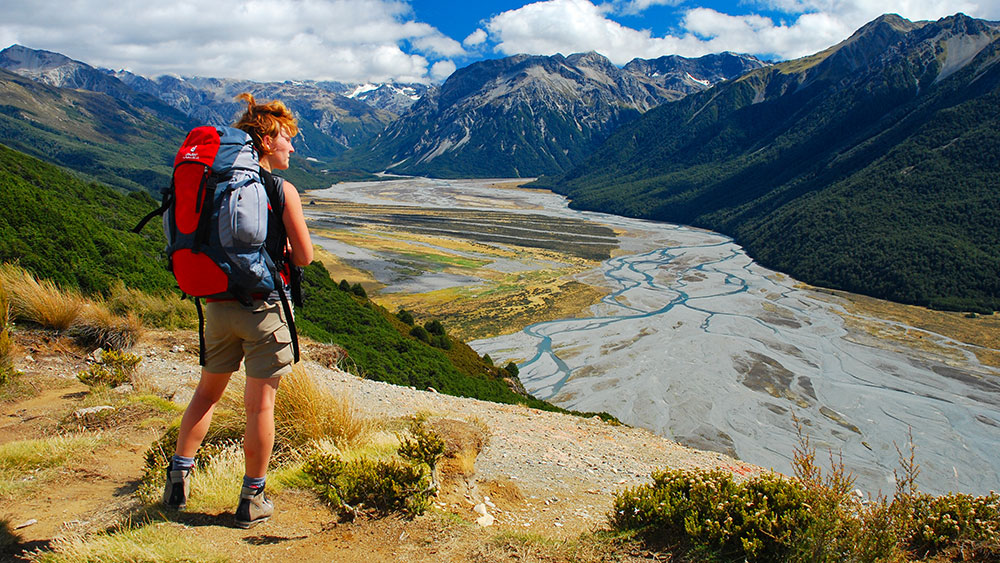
(567, 106)
(528, 115)
(871, 166)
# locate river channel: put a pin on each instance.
(698, 343)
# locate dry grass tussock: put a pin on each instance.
(167, 311)
(40, 301)
(7, 371)
(305, 412)
(308, 412)
(90, 321)
(97, 326)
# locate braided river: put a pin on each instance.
(698, 343)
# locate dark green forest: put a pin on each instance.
(885, 184)
(75, 232)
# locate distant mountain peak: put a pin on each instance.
(20, 58)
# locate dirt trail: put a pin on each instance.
(545, 474)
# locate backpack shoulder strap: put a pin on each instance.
(275, 246)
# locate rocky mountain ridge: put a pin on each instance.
(527, 115)
(333, 116)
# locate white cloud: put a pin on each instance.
(346, 40)
(572, 26)
(442, 69)
(569, 26)
(477, 37)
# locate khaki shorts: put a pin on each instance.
(258, 333)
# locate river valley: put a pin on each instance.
(682, 333)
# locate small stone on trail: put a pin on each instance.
(432, 390)
(31, 522)
(177, 348)
(485, 520)
(29, 359)
(92, 410)
(480, 509)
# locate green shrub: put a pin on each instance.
(511, 368)
(808, 518)
(420, 333)
(358, 290)
(114, 369)
(344, 286)
(423, 445)
(708, 510)
(435, 327)
(382, 486)
(942, 522)
(487, 360)
(441, 341)
(405, 316)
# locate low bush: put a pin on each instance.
(807, 518)
(115, 368)
(401, 483)
(365, 484)
(939, 523)
(708, 510)
(422, 445)
(405, 316)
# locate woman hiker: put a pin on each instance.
(258, 334)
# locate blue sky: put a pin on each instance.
(360, 41)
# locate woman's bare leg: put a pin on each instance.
(198, 416)
(259, 439)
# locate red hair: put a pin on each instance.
(265, 120)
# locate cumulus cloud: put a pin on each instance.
(477, 37)
(442, 69)
(568, 26)
(346, 40)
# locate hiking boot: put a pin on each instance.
(175, 493)
(254, 507)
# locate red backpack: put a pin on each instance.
(222, 222)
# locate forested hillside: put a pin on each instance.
(73, 232)
(871, 167)
(77, 234)
(92, 133)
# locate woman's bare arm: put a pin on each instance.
(295, 226)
